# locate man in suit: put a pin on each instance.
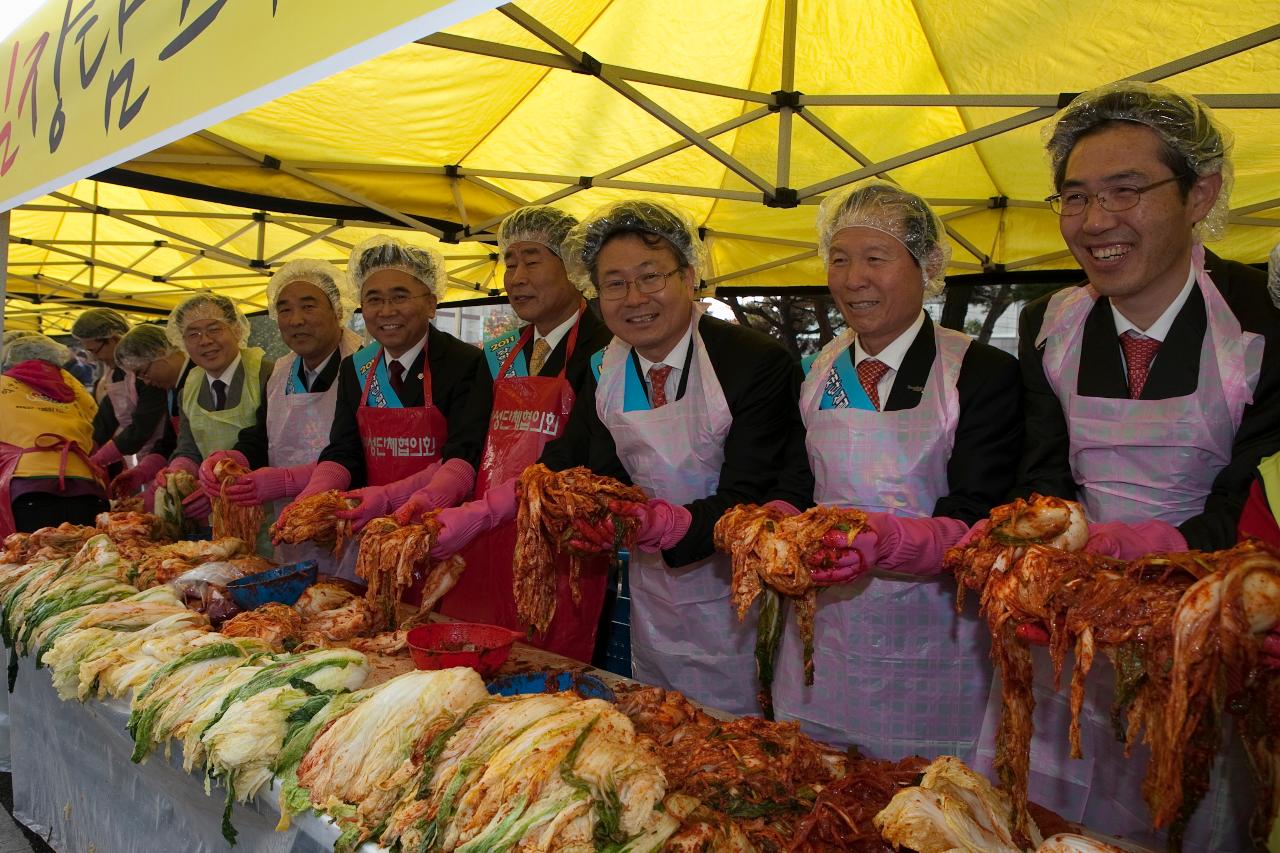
(400, 407)
(147, 353)
(693, 410)
(224, 391)
(1151, 393)
(524, 390)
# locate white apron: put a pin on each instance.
(684, 633)
(124, 400)
(297, 432)
(896, 672)
(1135, 460)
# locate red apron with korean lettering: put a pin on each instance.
(400, 442)
(528, 411)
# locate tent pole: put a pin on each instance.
(1209, 54)
(780, 262)
(307, 241)
(786, 84)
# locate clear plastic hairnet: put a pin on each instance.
(584, 242)
(98, 324)
(32, 346)
(1273, 275)
(334, 282)
(1184, 124)
(143, 345)
(902, 215)
(537, 223)
(384, 252)
(206, 306)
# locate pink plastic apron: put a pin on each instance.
(684, 634)
(297, 432)
(895, 671)
(1135, 460)
(124, 400)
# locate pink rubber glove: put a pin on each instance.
(208, 481)
(177, 463)
(892, 543)
(782, 507)
(1271, 649)
(324, 477)
(978, 530)
(462, 524)
(1133, 541)
(269, 484)
(662, 524)
(450, 483)
(106, 455)
(375, 502)
(129, 482)
(841, 561)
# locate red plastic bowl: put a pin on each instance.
(440, 646)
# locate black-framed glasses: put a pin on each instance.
(650, 282)
(377, 303)
(101, 342)
(1110, 199)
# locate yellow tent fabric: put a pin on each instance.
(945, 97)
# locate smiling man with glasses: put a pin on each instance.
(1151, 393)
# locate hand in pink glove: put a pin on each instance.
(129, 482)
(374, 503)
(843, 559)
(1033, 633)
(450, 483)
(268, 484)
(461, 524)
(326, 476)
(662, 524)
(1271, 649)
(107, 454)
(592, 539)
(911, 545)
(177, 463)
(208, 481)
(978, 530)
(196, 505)
(1133, 541)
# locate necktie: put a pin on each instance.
(219, 394)
(397, 378)
(658, 384)
(541, 349)
(1139, 352)
(870, 372)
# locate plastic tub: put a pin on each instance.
(283, 585)
(484, 648)
(551, 681)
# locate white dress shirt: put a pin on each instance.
(1158, 330)
(675, 360)
(556, 335)
(891, 357)
(408, 357)
(309, 376)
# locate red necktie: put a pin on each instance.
(397, 378)
(870, 372)
(658, 384)
(1139, 352)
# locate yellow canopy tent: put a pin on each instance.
(745, 113)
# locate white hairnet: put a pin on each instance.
(902, 215)
(143, 345)
(332, 281)
(385, 252)
(1196, 143)
(540, 223)
(632, 216)
(206, 306)
(1273, 275)
(98, 324)
(32, 346)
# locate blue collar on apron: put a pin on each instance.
(635, 397)
(496, 351)
(294, 385)
(843, 390)
(381, 394)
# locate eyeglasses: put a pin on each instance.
(377, 303)
(650, 282)
(213, 332)
(101, 342)
(1110, 199)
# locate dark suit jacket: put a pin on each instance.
(453, 366)
(204, 399)
(1045, 467)
(593, 335)
(146, 414)
(988, 438)
(761, 382)
(252, 440)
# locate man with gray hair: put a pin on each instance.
(1151, 394)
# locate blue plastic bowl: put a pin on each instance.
(549, 681)
(283, 585)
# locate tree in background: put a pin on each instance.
(804, 324)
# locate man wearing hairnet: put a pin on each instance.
(400, 409)
(310, 300)
(1150, 394)
(693, 410)
(224, 391)
(46, 475)
(524, 390)
(921, 428)
(147, 353)
(130, 417)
